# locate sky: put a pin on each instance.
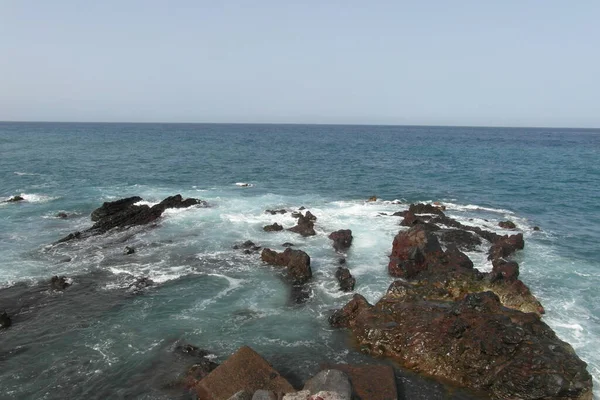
(482, 63)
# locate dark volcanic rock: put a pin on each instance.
(5, 320)
(345, 279)
(59, 283)
(296, 261)
(128, 250)
(464, 240)
(287, 244)
(124, 213)
(342, 239)
(113, 207)
(305, 225)
(504, 270)
(342, 261)
(15, 199)
(140, 284)
(273, 228)
(507, 225)
(536, 228)
(62, 215)
(421, 208)
(273, 212)
(202, 365)
(412, 251)
(299, 294)
(474, 342)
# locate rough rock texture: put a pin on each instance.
(342, 239)
(246, 371)
(62, 215)
(124, 213)
(59, 283)
(305, 225)
(241, 395)
(330, 380)
(301, 395)
(507, 225)
(372, 382)
(273, 227)
(345, 279)
(5, 320)
(264, 395)
(464, 240)
(296, 261)
(128, 250)
(113, 207)
(474, 342)
(201, 367)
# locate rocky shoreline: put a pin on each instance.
(441, 318)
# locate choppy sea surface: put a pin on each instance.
(98, 339)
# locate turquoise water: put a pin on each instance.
(97, 339)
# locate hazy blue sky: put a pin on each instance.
(504, 62)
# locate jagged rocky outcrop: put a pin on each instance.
(297, 263)
(273, 228)
(125, 213)
(345, 279)
(15, 199)
(305, 225)
(474, 342)
(342, 239)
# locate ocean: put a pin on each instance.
(98, 339)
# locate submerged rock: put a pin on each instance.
(474, 342)
(59, 283)
(5, 320)
(62, 215)
(287, 244)
(201, 367)
(345, 279)
(372, 382)
(140, 284)
(128, 250)
(342, 239)
(273, 212)
(273, 227)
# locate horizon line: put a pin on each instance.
(298, 123)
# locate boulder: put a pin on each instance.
(264, 395)
(177, 201)
(112, 207)
(372, 382)
(412, 251)
(128, 250)
(330, 380)
(536, 228)
(474, 342)
(305, 225)
(287, 244)
(140, 284)
(342, 239)
(345, 279)
(299, 294)
(504, 270)
(246, 371)
(59, 283)
(301, 395)
(62, 215)
(372, 199)
(248, 246)
(341, 261)
(507, 225)
(421, 208)
(296, 261)
(273, 227)
(5, 320)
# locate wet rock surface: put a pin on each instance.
(273, 227)
(345, 279)
(305, 225)
(15, 199)
(5, 320)
(474, 342)
(125, 213)
(59, 283)
(342, 239)
(297, 263)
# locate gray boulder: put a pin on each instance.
(330, 380)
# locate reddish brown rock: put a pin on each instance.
(412, 251)
(296, 261)
(305, 225)
(506, 246)
(345, 279)
(245, 371)
(342, 239)
(474, 342)
(372, 382)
